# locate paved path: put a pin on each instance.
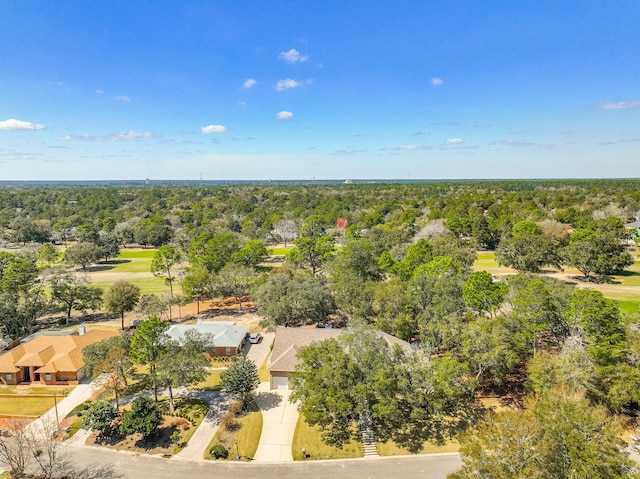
(197, 445)
(279, 418)
(259, 352)
(78, 395)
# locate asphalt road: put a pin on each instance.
(129, 466)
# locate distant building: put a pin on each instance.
(48, 357)
(635, 226)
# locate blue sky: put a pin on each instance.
(332, 89)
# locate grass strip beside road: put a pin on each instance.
(309, 438)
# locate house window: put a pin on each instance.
(47, 377)
(9, 377)
(228, 352)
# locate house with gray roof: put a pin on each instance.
(288, 341)
(227, 338)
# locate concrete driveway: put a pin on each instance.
(279, 418)
(259, 352)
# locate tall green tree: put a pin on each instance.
(291, 300)
(197, 285)
(144, 417)
(164, 262)
(148, 344)
(313, 247)
(184, 363)
(234, 280)
(82, 254)
(73, 292)
(360, 379)
(482, 294)
(598, 248)
(564, 437)
(240, 378)
(122, 297)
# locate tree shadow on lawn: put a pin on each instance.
(268, 400)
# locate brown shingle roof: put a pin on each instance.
(52, 354)
(288, 342)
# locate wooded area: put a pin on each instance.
(399, 258)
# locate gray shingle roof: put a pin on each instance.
(224, 334)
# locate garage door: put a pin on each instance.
(280, 382)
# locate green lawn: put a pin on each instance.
(59, 390)
(137, 253)
(486, 261)
(308, 437)
(629, 306)
(390, 448)
(212, 383)
(279, 251)
(25, 406)
(246, 434)
(147, 285)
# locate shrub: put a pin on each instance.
(218, 451)
(236, 406)
(228, 420)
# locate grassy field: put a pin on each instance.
(25, 406)
(279, 251)
(623, 288)
(132, 265)
(308, 437)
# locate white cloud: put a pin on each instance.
(436, 81)
(249, 82)
(111, 138)
(286, 84)
(293, 56)
(619, 106)
(99, 92)
(284, 115)
(13, 124)
(124, 98)
(214, 129)
(454, 141)
(242, 103)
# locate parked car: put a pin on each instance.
(255, 338)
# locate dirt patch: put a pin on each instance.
(226, 309)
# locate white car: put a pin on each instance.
(255, 338)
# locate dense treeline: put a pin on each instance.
(485, 211)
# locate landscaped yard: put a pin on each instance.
(189, 414)
(246, 434)
(309, 438)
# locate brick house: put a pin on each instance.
(48, 357)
